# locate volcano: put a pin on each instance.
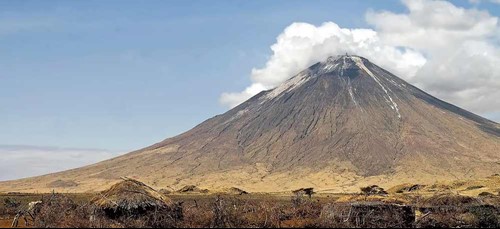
(338, 125)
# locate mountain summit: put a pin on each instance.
(337, 125)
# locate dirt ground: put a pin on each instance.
(6, 223)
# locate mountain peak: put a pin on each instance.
(341, 63)
(341, 57)
(350, 74)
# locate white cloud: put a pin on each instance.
(461, 46)
(26, 161)
(233, 99)
(449, 51)
(303, 44)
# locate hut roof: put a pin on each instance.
(130, 196)
(236, 191)
(303, 190)
(450, 199)
(192, 188)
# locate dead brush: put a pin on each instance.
(10, 206)
(227, 212)
(58, 210)
(367, 215)
(262, 214)
(11, 203)
(230, 211)
(449, 210)
(197, 216)
(160, 218)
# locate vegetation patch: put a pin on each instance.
(373, 190)
(474, 187)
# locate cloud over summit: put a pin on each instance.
(449, 51)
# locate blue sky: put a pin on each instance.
(121, 75)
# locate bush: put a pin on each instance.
(373, 190)
(486, 194)
(11, 203)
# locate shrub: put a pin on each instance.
(486, 194)
(373, 190)
(11, 203)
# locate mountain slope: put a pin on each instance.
(337, 125)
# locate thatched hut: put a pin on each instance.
(131, 198)
(304, 191)
(192, 189)
(236, 191)
(450, 199)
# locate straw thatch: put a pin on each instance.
(131, 197)
(236, 191)
(192, 189)
(450, 199)
(304, 191)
